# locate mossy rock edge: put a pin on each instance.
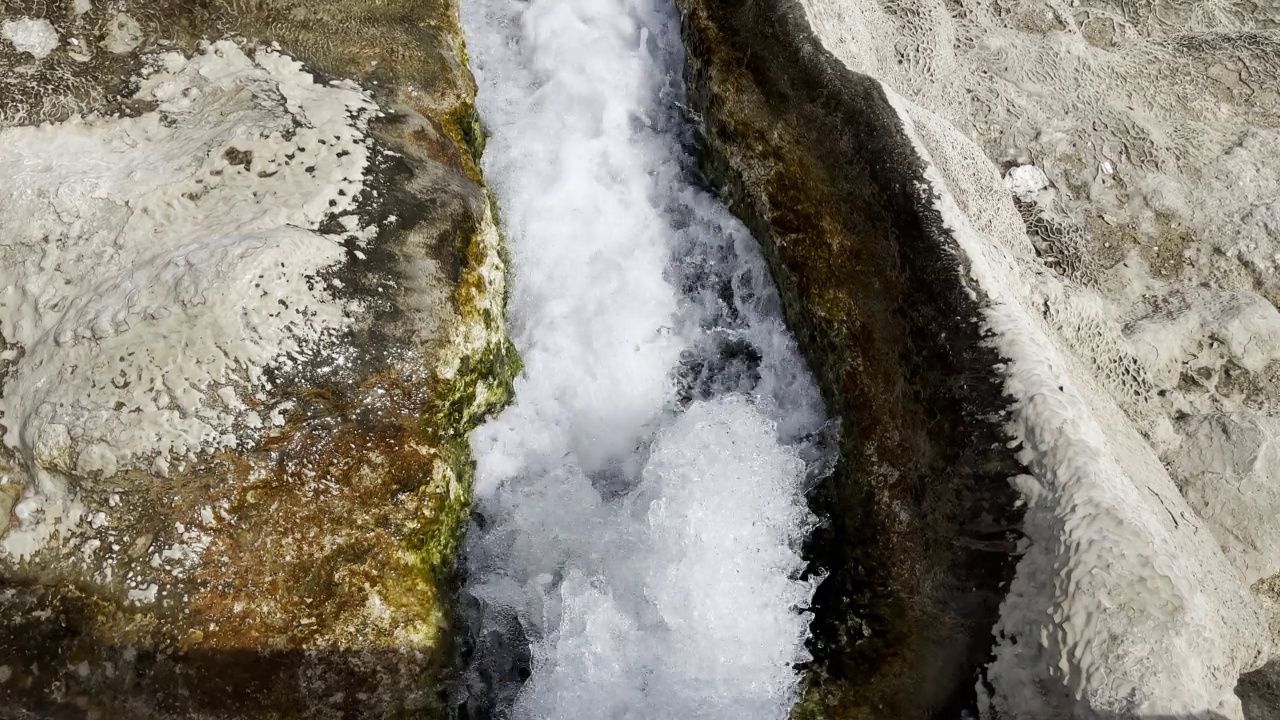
(919, 530)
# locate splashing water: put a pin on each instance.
(640, 506)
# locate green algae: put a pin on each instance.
(482, 384)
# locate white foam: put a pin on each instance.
(648, 547)
(152, 278)
(28, 35)
(687, 607)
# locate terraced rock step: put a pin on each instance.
(928, 218)
(252, 306)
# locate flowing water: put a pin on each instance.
(639, 508)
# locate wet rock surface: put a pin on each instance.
(817, 159)
(300, 562)
(920, 526)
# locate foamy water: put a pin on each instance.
(640, 506)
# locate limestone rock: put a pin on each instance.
(921, 523)
(252, 306)
(915, 276)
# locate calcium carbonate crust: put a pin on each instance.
(1146, 614)
(164, 265)
(1150, 134)
(1123, 602)
(1126, 601)
(1146, 250)
(255, 312)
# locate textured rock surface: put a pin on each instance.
(280, 541)
(1152, 129)
(894, 231)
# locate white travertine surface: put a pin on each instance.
(1113, 199)
(155, 267)
(1123, 602)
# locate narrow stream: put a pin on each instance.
(640, 506)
